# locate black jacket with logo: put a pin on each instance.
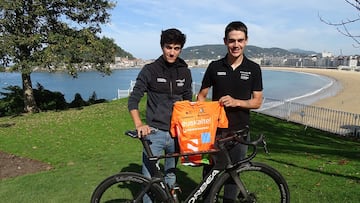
(164, 84)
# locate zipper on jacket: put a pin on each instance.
(171, 84)
(171, 88)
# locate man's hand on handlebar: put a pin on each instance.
(143, 130)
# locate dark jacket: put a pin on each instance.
(164, 84)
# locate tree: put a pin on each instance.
(52, 34)
(343, 26)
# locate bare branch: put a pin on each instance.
(348, 21)
(342, 27)
(355, 5)
(348, 34)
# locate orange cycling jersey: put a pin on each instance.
(195, 124)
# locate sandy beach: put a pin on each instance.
(347, 99)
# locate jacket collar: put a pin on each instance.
(179, 63)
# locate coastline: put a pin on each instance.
(343, 95)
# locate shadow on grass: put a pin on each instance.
(132, 168)
(185, 182)
(356, 179)
(6, 125)
(285, 137)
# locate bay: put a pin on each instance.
(282, 85)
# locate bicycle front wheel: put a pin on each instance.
(261, 183)
(126, 187)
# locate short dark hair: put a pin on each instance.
(172, 36)
(236, 25)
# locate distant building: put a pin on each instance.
(326, 54)
(354, 61)
(350, 63)
(323, 60)
(198, 62)
(125, 62)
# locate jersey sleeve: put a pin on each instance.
(223, 121)
(173, 123)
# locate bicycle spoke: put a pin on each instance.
(261, 183)
(126, 187)
(121, 192)
(260, 187)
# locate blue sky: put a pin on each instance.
(136, 25)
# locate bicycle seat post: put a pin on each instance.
(146, 146)
(222, 158)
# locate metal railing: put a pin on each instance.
(126, 93)
(337, 122)
(333, 121)
(329, 120)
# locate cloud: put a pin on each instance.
(136, 25)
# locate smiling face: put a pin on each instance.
(171, 52)
(235, 42)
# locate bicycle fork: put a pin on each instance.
(243, 191)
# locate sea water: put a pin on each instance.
(282, 85)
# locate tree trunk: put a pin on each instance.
(29, 99)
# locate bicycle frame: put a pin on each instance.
(219, 168)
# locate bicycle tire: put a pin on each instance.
(126, 187)
(262, 183)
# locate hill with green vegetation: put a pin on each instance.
(122, 53)
(86, 145)
(218, 50)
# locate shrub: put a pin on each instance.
(12, 102)
(94, 100)
(78, 102)
(47, 100)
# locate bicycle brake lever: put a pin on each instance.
(265, 146)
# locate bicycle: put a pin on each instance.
(257, 182)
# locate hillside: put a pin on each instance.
(218, 50)
(122, 53)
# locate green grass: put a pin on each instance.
(86, 145)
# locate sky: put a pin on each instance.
(136, 25)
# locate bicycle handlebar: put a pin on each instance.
(237, 136)
(132, 133)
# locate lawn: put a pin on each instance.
(86, 145)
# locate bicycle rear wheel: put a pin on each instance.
(126, 187)
(261, 182)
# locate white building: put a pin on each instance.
(325, 54)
